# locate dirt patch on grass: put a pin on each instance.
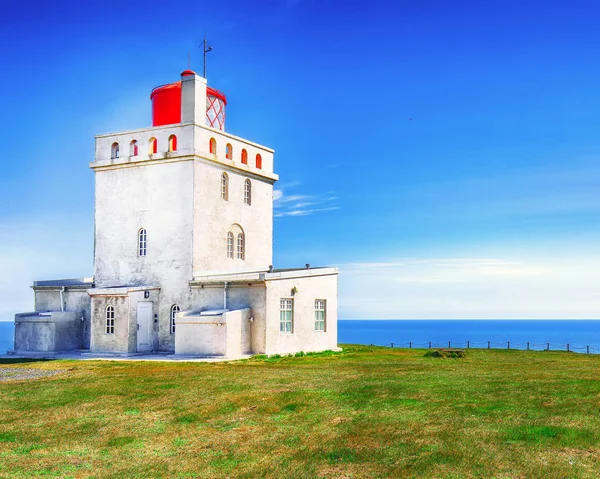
(19, 374)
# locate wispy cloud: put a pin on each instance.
(295, 204)
(543, 287)
(432, 262)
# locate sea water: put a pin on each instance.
(540, 334)
(578, 334)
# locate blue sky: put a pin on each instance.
(445, 155)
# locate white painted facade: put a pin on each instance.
(177, 197)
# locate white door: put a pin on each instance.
(144, 326)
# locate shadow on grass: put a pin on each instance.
(24, 360)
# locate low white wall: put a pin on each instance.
(227, 334)
(57, 331)
(74, 299)
(200, 335)
(238, 332)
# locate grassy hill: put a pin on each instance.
(365, 413)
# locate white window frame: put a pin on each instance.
(320, 314)
(241, 246)
(286, 315)
(114, 151)
(174, 310)
(142, 242)
(225, 186)
(247, 192)
(229, 245)
(110, 319)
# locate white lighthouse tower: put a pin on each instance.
(184, 243)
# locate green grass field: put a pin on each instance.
(366, 412)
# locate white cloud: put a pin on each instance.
(470, 288)
(301, 204)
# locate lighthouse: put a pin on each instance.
(183, 245)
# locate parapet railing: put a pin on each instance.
(526, 346)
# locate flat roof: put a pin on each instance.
(261, 276)
(60, 283)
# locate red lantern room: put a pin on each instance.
(166, 105)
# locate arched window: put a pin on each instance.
(174, 310)
(212, 146)
(230, 245)
(225, 186)
(240, 246)
(133, 148)
(258, 161)
(229, 151)
(110, 320)
(247, 192)
(152, 146)
(172, 143)
(114, 151)
(142, 242)
(244, 157)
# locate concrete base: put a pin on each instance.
(87, 356)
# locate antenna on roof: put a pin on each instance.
(206, 49)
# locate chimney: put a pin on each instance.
(193, 98)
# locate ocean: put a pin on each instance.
(578, 334)
(540, 334)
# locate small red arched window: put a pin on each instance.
(229, 151)
(172, 143)
(244, 157)
(258, 161)
(212, 146)
(152, 146)
(133, 148)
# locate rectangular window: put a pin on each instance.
(230, 245)
(286, 313)
(142, 242)
(320, 314)
(110, 320)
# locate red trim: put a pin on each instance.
(168, 86)
(187, 73)
(219, 94)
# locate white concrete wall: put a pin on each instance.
(111, 343)
(238, 332)
(202, 147)
(303, 337)
(185, 145)
(157, 197)
(239, 296)
(74, 299)
(58, 331)
(200, 335)
(124, 339)
(254, 297)
(214, 217)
